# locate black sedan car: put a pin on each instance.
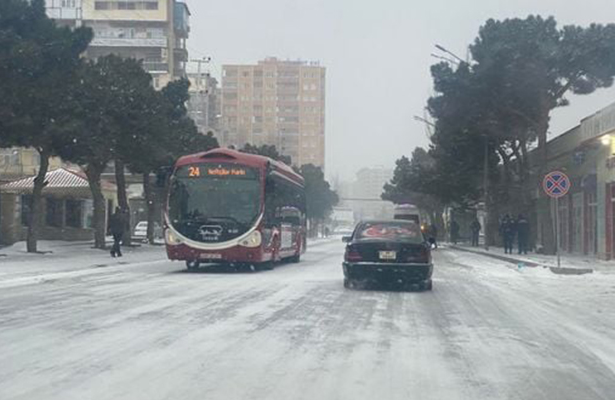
(388, 251)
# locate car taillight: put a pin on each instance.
(422, 255)
(352, 255)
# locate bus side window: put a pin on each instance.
(270, 201)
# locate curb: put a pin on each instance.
(555, 270)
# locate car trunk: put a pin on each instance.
(387, 251)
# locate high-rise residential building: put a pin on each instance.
(367, 190)
(276, 102)
(203, 103)
(370, 181)
(154, 31)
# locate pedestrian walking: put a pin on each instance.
(507, 230)
(433, 235)
(116, 227)
(475, 227)
(523, 233)
(454, 231)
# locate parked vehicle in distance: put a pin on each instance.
(410, 212)
(391, 251)
(140, 231)
(407, 212)
(343, 231)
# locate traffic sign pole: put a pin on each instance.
(557, 231)
(556, 184)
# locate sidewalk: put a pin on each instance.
(570, 264)
(60, 257)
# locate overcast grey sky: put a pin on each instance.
(377, 55)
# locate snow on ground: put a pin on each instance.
(567, 260)
(155, 331)
(63, 259)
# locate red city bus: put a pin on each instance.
(227, 207)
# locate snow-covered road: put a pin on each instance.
(153, 331)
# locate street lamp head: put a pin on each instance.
(606, 140)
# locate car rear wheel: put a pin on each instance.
(427, 285)
(348, 283)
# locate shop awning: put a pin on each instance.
(62, 181)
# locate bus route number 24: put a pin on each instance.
(194, 172)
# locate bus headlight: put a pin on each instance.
(171, 238)
(253, 240)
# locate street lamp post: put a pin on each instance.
(486, 192)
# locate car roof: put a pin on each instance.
(387, 221)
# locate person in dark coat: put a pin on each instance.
(433, 235)
(507, 230)
(523, 233)
(116, 227)
(454, 231)
(475, 227)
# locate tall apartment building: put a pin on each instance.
(203, 106)
(276, 102)
(367, 190)
(370, 181)
(154, 31)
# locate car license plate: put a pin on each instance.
(387, 255)
(211, 256)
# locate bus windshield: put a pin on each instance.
(214, 202)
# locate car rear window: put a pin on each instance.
(390, 230)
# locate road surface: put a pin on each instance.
(154, 331)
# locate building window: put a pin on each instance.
(53, 212)
(125, 5)
(26, 209)
(74, 213)
(102, 5)
(68, 3)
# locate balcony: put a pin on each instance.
(181, 54)
(64, 13)
(156, 67)
(181, 20)
(128, 42)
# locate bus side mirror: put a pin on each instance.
(346, 239)
(162, 175)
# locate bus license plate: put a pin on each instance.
(211, 256)
(388, 255)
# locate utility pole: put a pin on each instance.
(486, 192)
(200, 61)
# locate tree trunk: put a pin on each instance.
(151, 209)
(100, 223)
(34, 223)
(122, 199)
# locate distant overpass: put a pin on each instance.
(359, 199)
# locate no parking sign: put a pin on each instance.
(556, 184)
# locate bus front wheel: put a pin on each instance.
(265, 266)
(192, 265)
